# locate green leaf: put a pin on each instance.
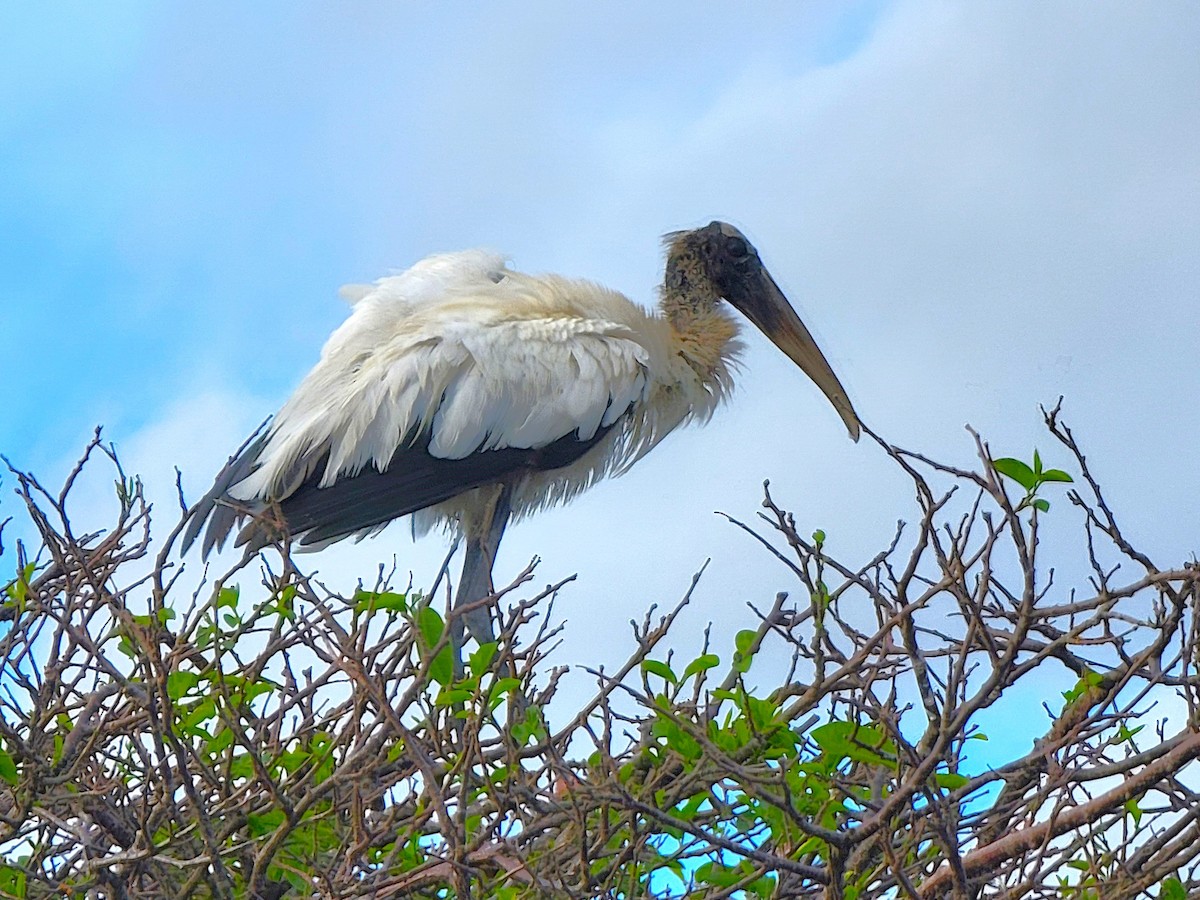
(701, 664)
(1172, 889)
(744, 640)
(481, 659)
(820, 597)
(676, 738)
(12, 881)
(8, 768)
(531, 728)
(1037, 463)
(228, 597)
(687, 811)
(951, 781)
(19, 589)
(201, 711)
(217, 744)
(266, 823)
(372, 601)
(1131, 807)
(441, 669)
(818, 537)
(661, 669)
(431, 626)
(850, 740)
(241, 766)
(179, 683)
(1017, 471)
(1041, 505)
(724, 694)
(1125, 733)
(1089, 680)
(500, 689)
(451, 696)
(1056, 475)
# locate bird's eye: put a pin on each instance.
(736, 248)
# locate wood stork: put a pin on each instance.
(466, 394)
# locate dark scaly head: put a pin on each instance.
(716, 263)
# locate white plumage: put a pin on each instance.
(481, 358)
(464, 393)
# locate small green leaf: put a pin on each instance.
(451, 696)
(1127, 734)
(8, 768)
(500, 689)
(1037, 463)
(482, 658)
(179, 683)
(701, 664)
(661, 669)
(201, 711)
(19, 589)
(820, 597)
(241, 766)
(12, 881)
(744, 640)
(372, 601)
(1089, 680)
(1172, 889)
(951, 781)
(264, 824)
(223, 739)
(228, 597)
(1017, 471)
(1131, 807)
(530, 728)
(742, 657)
(431, 626)
(441, 669)
(1057, 475)
(1041, 505)
(818, 537)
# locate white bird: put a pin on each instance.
(466, 394)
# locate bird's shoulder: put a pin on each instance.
(472, 297)
(431, 279)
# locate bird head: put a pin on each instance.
(717, 261)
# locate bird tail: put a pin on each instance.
(216, 508)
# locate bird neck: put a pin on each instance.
(703, 333)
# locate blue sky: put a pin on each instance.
(977, 208)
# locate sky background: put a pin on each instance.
(976, 208)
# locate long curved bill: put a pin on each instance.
(763, 303)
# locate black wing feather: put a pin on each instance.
(216, 507)
(413, 480)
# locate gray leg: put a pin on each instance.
(483, 540)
